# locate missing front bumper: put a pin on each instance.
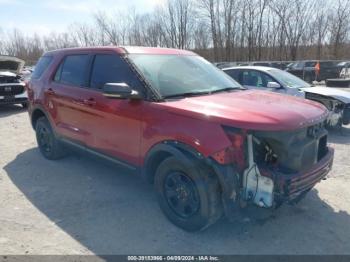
(288, 188)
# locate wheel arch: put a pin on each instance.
(165, 149)
(36, 113)
(227, 175)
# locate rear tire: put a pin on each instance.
(189, 195)
(50, 147)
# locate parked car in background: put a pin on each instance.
(341, 66)
(208, 145)
(225, 64)
(12, 88)
(344, 76)
(306, 70)
(26, 73)
(275, 80)
(276, 64)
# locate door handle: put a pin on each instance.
(50, 91)
(89, 102)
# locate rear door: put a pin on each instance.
(68, 97)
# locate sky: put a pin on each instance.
(45, 16)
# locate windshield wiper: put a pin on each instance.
(206, 92)
(228, 89)
(188, 94)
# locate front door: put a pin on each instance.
(114, 124)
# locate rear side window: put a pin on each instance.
(112, 69)
(73, 70)
(41, 66)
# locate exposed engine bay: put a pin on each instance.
(12, 88)
(8, 77)
(280, 154)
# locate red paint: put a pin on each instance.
(129, 129)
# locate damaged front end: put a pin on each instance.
(339, 112)
(12, 88)
(294, 160)
(275, 167)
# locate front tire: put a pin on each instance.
(24, 104)
(188, 195)
(50, 147)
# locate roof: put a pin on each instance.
(259, 68)
(125, 50)
(156, 50)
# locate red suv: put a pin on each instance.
(208, 145)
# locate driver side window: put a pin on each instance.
(255, 78)
(110, 68)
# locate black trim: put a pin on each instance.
(227, 174)
(346, 114)
(152, 94)
(98, 154)
(39, 107)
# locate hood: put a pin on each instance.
(7, 74)
(343, 96)
(251, 109)
(11, 64)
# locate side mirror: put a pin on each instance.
(273, 85)
(120, 91)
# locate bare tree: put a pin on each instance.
(339, 27)
(217, 29)
(294, 16)
(107, 27)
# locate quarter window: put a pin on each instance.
(41, 66)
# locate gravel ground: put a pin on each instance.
(80, 205)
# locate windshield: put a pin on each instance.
(288, 79)
(174, 75)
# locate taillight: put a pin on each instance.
(234, 154)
